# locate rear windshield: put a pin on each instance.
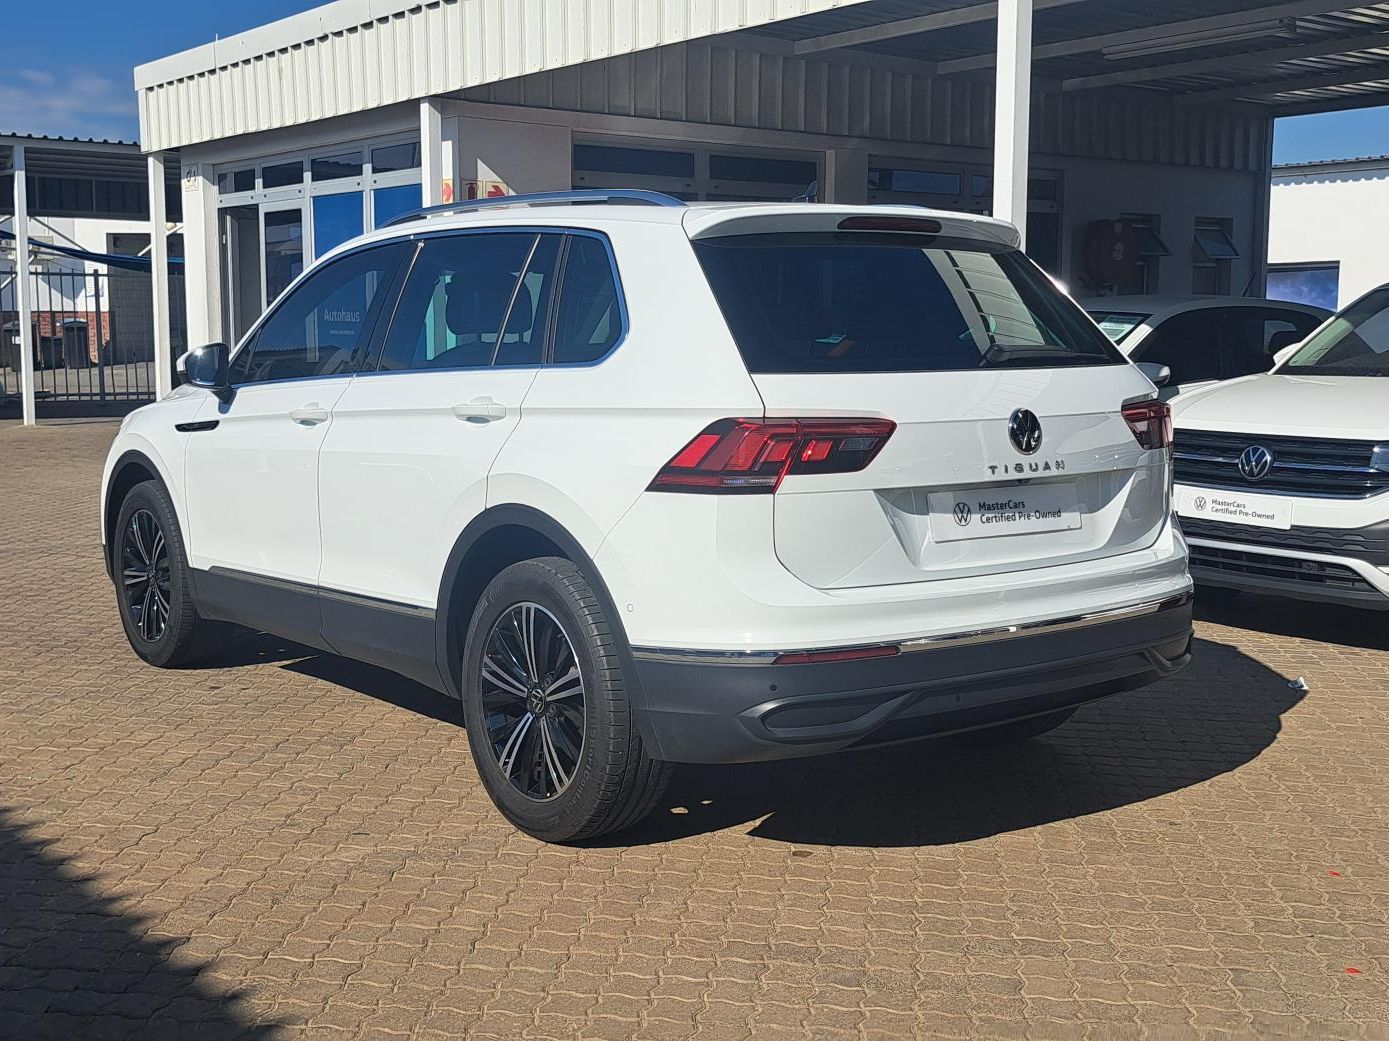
(1354, 343)
(1118, 324)
(873, 302)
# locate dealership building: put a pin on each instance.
(1131, 139)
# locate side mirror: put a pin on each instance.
(209, 367)
(1280, 356)
(1158, 375)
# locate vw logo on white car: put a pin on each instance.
(1255, 462)
(962, 513)
(1025, 430)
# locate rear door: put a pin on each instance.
(404, 468)
(973, 353)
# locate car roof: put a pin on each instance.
(699, 219)
(1155, 305)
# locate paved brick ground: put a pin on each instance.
(289, 844)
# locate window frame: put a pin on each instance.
(387, 295)
(372, 362)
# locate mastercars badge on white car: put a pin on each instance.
(644, 483)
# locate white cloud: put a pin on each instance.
(67, 104)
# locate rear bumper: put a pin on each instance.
(702, 707)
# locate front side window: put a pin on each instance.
(474, 300)
(1188, 344)
(845, 302)
(1117, 325)
(1354, 343)
(1254, 334)
(318, 327)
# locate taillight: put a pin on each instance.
(753, 455)
(1151, 423)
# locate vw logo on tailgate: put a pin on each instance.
(1025, 431)
(1255, 462)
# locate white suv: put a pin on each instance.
(1283, 478)
(646, 483)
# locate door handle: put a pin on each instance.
(310, 415)
(480, 410)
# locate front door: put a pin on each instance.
(252, 478)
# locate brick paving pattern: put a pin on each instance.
(290, 845)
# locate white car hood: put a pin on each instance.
(1352, 407)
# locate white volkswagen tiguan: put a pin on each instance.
(1283, 478)
(644, 483)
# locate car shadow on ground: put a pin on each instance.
(1306, 619)
(73, 965)
(1221, 712)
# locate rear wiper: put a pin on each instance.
(1020, 354)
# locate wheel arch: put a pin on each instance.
(503, 535)
(133, 467)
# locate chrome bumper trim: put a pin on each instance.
(923, 643)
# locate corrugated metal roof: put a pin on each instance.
(354, 55)
(8, 138)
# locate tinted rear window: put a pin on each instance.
(873, 302)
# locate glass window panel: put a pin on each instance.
(237, 181)
(1214, 242)
(455, 301)
(282, 174)
(607, 159)
(1188, 344)
(590, 316)
(392, 202)
(404, 156)
(335, 167)
(919, 182)
(317, 328)
(1318, 284)
(336, 218)
(761, 168)
(284, 250)
(523, 340)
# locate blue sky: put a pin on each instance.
(90, 94)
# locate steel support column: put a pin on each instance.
(22, 286)
(159, 278)
(1013, 111)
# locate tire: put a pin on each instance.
(552, 786)
(1025, 729)
(159, 617)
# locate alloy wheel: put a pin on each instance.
(533, 701)
(145, 575)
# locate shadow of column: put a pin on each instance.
(74, 965)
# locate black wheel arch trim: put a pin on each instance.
(450, 629)
(131, 456)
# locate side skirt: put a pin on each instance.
(394, 636)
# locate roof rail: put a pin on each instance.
(604, 195)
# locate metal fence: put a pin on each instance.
(93, 337)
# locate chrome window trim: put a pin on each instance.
(963, 638)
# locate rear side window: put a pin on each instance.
(317, 328)
(474, 300)
(876, 302)
(590, 313)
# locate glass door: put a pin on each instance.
(242, 291)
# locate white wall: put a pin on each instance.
(1337, 216)
(525, 157)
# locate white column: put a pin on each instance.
(432, 151)
(202, 280)
(159, 278)
(1012, 111)
(22, 286)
